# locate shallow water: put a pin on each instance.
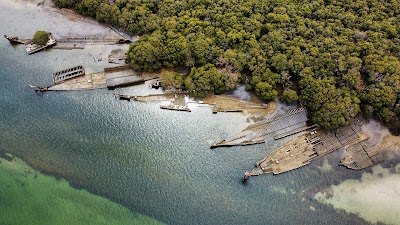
(152, 161)
(29, 197)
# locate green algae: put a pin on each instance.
(29, 197)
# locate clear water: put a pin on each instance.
(152, 161)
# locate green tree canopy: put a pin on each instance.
(171, 80)
(208, 80)
(290, 96)
(345, 48)
(330, 107)
(40, 37)
(266, 91)
(146, 54)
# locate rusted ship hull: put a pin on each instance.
(16, 40)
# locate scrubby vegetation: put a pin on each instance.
(343, 55)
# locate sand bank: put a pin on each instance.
(375, 197)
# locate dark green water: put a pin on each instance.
(152, 161)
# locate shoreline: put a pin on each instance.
(196, 155)
(48, 6)
(252, 114)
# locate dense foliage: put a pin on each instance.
(290, 96)
(40, 37)
(171, 80)
(343, 54)
(206, 80)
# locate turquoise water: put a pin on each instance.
(152, 161)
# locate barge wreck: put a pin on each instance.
(16, 40)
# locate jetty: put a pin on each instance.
(32, 47)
